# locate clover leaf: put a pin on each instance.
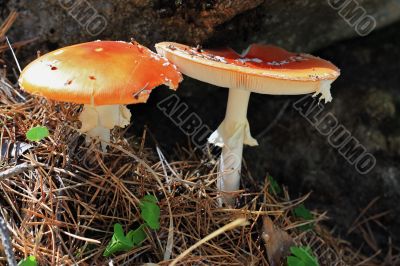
(150, 212)
(29, 261)
(302, 256)
(37, 133)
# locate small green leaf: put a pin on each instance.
(137, 236)
(29, 261)
(150, 212)
(118, 242)
(293, 261)
(149, 198)
(302, 212)
(302, 257)
(274, 187)
(37, 133)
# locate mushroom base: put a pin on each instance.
(233, 132)
(97, 121)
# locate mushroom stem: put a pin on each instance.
(97, 121)
(233, 132)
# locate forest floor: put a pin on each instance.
(61, 197)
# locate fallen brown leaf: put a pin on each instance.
(277, 242)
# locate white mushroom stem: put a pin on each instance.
(97, 121)
(233, 132)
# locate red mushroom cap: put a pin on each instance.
(99, 73)
(262, 68)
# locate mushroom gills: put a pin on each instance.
(97, 121)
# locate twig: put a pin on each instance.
(16, 170)
(170, 239)
(8, 23)
(362, 213)
(163, 161)
(5, 239)
(89, 240)
(227, 227)
(15, 57)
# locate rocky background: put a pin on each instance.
(366, 96)
(303, 25)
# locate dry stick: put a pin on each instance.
(164, 163)
(15, 57)
(170, 239)
(16, 45)
(227, 227)
(162, 160)
(16, 170)
(5, 239)
(362, 213)
(8, 23)
(89, 240)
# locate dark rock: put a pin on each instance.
(64, 22)
(295, 24)
(305, 25)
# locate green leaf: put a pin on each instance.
(149, 198)
(37, 133)
(150, 212)
(302, 212)
(29, 261)
(302, 257)
(119, 242)
(137, 236)
(274, 187)
(293, 261)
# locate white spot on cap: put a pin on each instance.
(244, 60)
(58, 52)
(278, 63)
(296, 58)
(99, 49)
(155, 56)
(221, 59)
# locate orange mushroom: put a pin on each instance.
(102, 75)
(262, 69)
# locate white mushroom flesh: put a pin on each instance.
(97, 121)
(233, 132)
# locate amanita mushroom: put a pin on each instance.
(102, 75)
(262, 69)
